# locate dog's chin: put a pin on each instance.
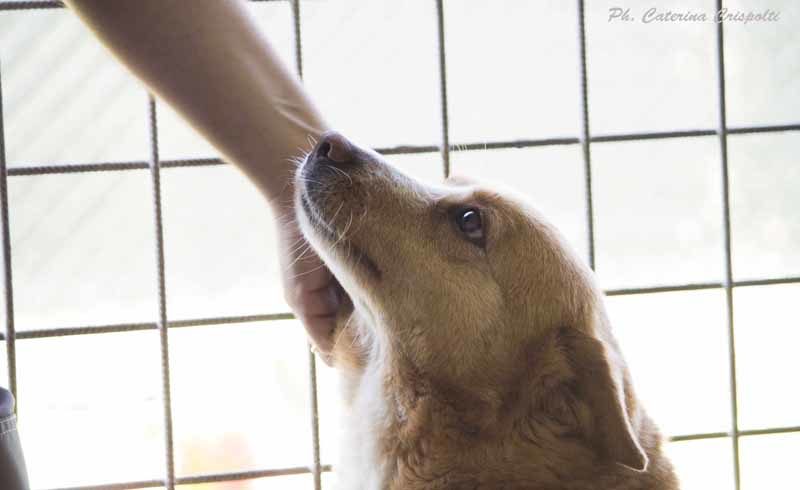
(335, 247)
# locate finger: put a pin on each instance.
(320, 330)
(325, 301)
(300, 285)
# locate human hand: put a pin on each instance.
(309, 287)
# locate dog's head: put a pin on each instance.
(470, 290)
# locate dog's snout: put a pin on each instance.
(334, 147)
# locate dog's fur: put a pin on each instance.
(464, 365)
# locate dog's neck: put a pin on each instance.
(409, 431)
(410, 428)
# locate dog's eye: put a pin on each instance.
(470, 223)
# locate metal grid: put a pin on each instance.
(163, 324)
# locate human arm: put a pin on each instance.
(213, 65)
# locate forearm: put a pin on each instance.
(208, 60)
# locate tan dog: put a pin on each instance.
(477, 353)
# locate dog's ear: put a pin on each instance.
(599, 383)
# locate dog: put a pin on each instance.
(475, 351)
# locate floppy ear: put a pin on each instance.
(600, 385)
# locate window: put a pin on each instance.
(676, 184)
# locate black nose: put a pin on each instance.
(334, 147)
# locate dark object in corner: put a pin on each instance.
(13, 475)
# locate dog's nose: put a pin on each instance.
(333, 146)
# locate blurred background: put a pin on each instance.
(90, 406)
